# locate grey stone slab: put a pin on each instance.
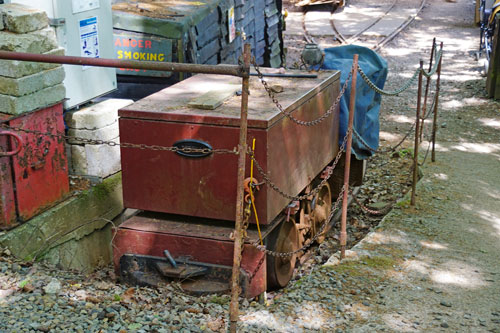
(17, 69)
(1, 22)
(36, 100)
(31, 83)
(97, 115)
(39, 41)
(96, 160)
(106, 133)
(21, 19)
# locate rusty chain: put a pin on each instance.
(314, 191)
(259, 265)
(309, 242)
(325, 115)
(380, 212)
(388, 150)
(122, 144)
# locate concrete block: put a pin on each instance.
(41, 98)
(96, 116)
(17, 69)
(106, 133)
(1, 22)
(78, 160)
(22, 19)
(85, 254)
(96, 160)
(72, 219)
(31, 83)
(39, 41)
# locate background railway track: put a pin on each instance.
(359, 22)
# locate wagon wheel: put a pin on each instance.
(321, 208)
(283, 238)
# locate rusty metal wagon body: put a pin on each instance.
(187, 200)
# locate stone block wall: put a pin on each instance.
(97, 122)
(27, 86)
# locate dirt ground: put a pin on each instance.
(435, 266)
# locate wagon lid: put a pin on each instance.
(189, 101)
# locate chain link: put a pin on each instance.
(314, 122)
(259, 265)
(407, 84)
(385, 92)
(309, 242)
(123, 144)
(314, 191)
(380, 212)
(435, 67)
(388, 150)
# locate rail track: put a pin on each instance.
(374, 29)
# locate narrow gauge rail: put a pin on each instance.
(394, 7)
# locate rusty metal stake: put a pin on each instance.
(347, 167)
(238, 234)
(427, 84)
(417, 140)
(436, 103)
(234, 70)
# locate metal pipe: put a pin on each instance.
(304, 76)
(347, 166)
(238, 234)
(233, 70)
(417, 140)
(434, 122)
(427, 84)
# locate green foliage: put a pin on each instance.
(23, 283)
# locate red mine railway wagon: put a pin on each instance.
(204, 111)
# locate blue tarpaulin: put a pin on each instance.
(366, 118)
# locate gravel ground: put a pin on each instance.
(432, 267)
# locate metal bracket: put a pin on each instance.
(57, 22)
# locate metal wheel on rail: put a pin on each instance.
(284, 238)
(321, 206)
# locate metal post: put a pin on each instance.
(417, 141)
(238, 234)
(234, 70)
(436, 103)
(427, 84)
(347, 167)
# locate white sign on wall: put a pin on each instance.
(84, 5)
(89, 38)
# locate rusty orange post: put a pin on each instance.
(417, 139)
(238, 234)
(347, 167)
(436, 103)
(427, 85)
